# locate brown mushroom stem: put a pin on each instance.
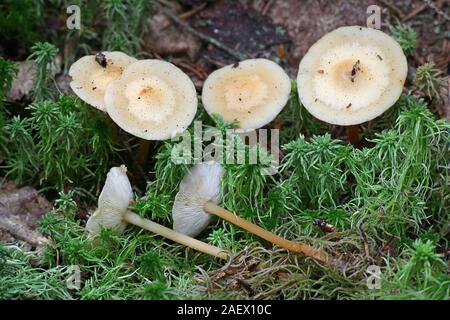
(309, 251)
(144, 146)
(353, 135)
(113, 126)
(180, 238)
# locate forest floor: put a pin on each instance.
(200, 36)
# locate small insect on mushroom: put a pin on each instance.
(100, 58)
(198, 199)
(91, 74)
(362, 65)
(253, 92)
(112, 212)
(152, 99)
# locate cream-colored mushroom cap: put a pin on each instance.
(252, 91)
(351, 75)
(91, 75)
(152, 99)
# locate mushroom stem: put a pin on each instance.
(353, 135)
(112, 126)
(266, 235)
(180, 238)
(144, 146)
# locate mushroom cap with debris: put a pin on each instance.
(113, 202)
(152, 99)
(91, 75)
(200, 185)
(351, 75)
(252, 91)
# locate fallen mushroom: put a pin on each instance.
(351, 75)
(152, 99)
(252, 91)
(198, 199)
(91, 74)
(112, 212)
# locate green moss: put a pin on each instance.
(316, 168)
(61, 144)
(430, 80)
(126, 23)
(20, 22)
(420, 273)
(43, 54)
(394, 178)
(405, 36)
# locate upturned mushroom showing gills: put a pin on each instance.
(351, 75)
(152, 99)
(198, 199)
(113, 213)
(91, 74)
(252, 91)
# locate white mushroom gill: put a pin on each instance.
(112, 203)
(200, 185)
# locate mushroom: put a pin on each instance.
(152, 99)
(252, 91)
(91, 74)
(112, 212)
(351, 75)
(198, 199)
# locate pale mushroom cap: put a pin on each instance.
(89, 78)
(374, 61)
(200, 185)
(112, 203)
(152, 99)
(253, 92)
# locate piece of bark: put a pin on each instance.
(23, 83)
(14, 226)
(164, 38)
(20, 210)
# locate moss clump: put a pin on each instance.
(61, 144)
(430, 81)
(405, 36)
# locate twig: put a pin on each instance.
(393, 8)
(267, 7)
(194, 11)
(437, 10)
(214, 62)
(366, 244)
(191, 68)
(202, 36)
(414, 12)
(388, 244)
